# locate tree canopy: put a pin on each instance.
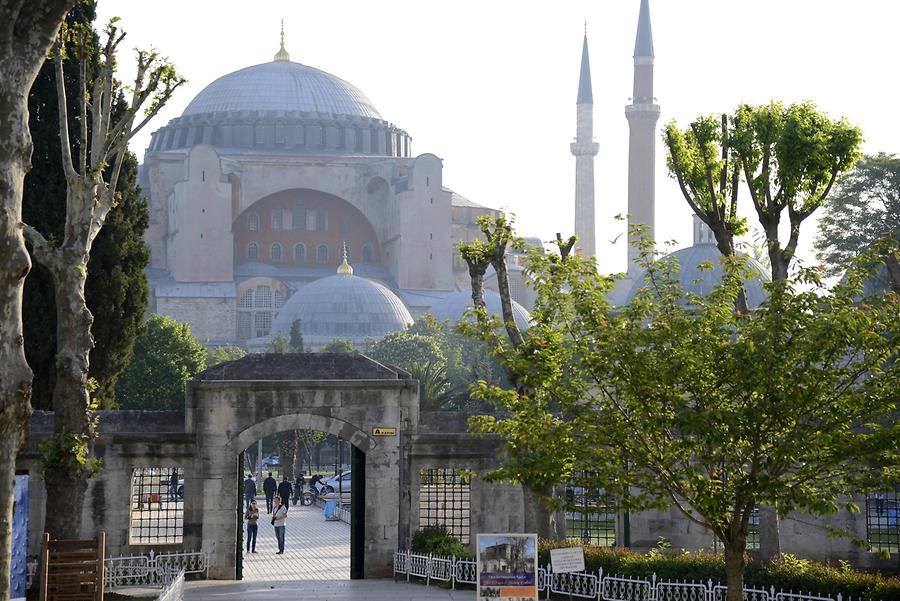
(864, 207)
(166, 356)
(713, 410)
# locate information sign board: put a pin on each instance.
(507, 567)
(570, 559)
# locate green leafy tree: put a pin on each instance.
(279, 345)
(406, 348)
(92, 162)
(436, 391)
(221, 354)
(28, 32)
(166, 356)
(310, 443)
(864, 207)
(296, 337)
(338, 346)
(713, 410)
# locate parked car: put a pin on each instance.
(338, 483)
(270, 462)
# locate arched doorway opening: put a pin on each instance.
(336, 531)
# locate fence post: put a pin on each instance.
(653, 587)
(408, 560)
(428, 571)
(549, 582)
(710, 591)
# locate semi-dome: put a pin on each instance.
(344, 307)
(701, 281)
(452, 308)
(282, 86)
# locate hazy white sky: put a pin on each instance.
(490, 86)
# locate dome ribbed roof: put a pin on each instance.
(702, 281)
(453, 307)
(282, 85)
(345, 307)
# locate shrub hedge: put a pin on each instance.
(437, 540)
(788, 574)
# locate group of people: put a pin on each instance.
(276, 506)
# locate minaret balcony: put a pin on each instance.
(584, 148)
(642, 108)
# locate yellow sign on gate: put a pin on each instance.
(384, 431)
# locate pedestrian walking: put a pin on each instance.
(173, 486)
(249, 490)
(279, 515)
(252, 516)
(285, 491)
(269, 487)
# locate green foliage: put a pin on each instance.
(789, 158)
(296, 338)
(116, 288)
(338, 346)
(68, 453)
(864, 207)
(713, 410)
(407, 348)
(221, 354)
(436, 391)
(786, 574)
(437, 540)
(279, 345)
(166, 356)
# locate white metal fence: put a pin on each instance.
(599, 586)
(153, 569)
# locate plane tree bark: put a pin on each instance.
(27, 31)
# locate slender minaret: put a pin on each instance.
(642, 116)
(585, 149)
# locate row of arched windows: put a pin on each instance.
(276, 253)
(301, 219)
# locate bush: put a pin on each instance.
(437, 540)
(787, 574)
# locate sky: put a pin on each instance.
(490, 86)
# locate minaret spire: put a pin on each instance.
(585, 149)
(642, 115)
(282, 54)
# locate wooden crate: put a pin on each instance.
(72, 570)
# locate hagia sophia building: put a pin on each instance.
(274, 172)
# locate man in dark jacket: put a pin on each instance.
(285, 490)
(269, 486)
(249, 490)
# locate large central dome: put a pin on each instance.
(282, 86)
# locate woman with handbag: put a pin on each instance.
(279, 515)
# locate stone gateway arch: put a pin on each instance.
(233, 405)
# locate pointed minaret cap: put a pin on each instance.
(282, 54)
(585, 95)
(643, 43)
(344, 268)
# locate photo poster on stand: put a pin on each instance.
(507, 567)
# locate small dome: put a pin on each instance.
(452, 308)
(345, 307)
(282, 86)
(702, 281)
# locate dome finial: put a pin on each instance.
(282, 54)
(344, 268)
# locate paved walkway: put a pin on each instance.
(320, 590)
(314, 548)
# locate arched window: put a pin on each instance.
(277, 219)
(253, 251)
(263, 297)
(246, 300)
(367, 254)
(275, 252)
(253, 222)
(322, 254)
(299, 253)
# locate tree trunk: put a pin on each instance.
(893, 269)
(66, 479)
(537, 517)
(15, 375)
(287, 446)
(734, 570)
